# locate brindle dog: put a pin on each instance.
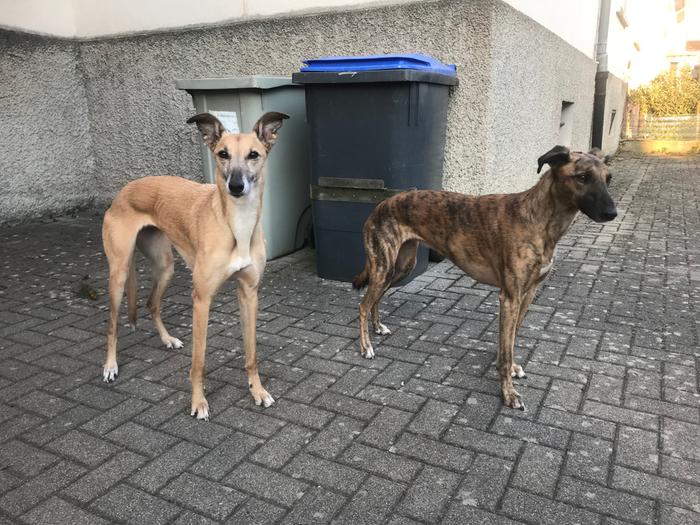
(505, 241)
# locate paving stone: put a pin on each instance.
(317, 506)
(577, 423)
(589, 458)
(637, 448)
(536, 509)
(348, 406)
(208, 434)
(285, 444)
(207, 497)
(257, 512)
(671, 515)
(428, 494)
(43, 404)
(479, 411)
(461, 513)
(55, 510)
(530, 431)
(132, 505)
(680, 439)
(301, 414)
(329, 474)
(258, 424)
(538, 470)
(98, 481)
(371, 503)
(219, 461)
(384, 429)
(652, 486)
(60, 425)
(607, 501)
(166, 466)
(333, 439)
(354, 380)
(26, 460)
(679, 468)
(564, 395)
(83, 448)
(271, 485)
(434, 452)
(394, 398)
(141, 439)
(433, 418)
(24, 497)
(115, 416)
(381, 462)
(483, 441)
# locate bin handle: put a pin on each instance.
(359, 184)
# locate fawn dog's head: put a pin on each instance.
(240, 157)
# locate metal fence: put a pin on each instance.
(641, 127)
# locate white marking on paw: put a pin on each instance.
(269, 400)
(109, 374)
(369, 353)
(202, 413)
(382, 330)
(173, 342)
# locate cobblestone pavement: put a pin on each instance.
(418, 435)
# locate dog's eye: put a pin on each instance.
(223, 154)
(581, 177)
(253, 155)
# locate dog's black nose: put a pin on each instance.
(236, 189)
(609, 214)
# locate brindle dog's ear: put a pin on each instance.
(267, 126)
(597, 152)
(555, 157)
(210, 128)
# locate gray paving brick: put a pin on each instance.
(354, 380)
(536, 509)
(24, 459)
(461, 513)
(437, 391)
(83, 448)
(479, 411)
(485, 481)
(395, 375)
(115, 416)
(317, 506)
(671, 515)
(607, 501)
(95, 396)
(483, 441)
(55, 510)
(132, 505)
(141, 439)
(24, 497)
(192, 518)
(680, 439)
(43, 404)
(538, 470)
(637, 448)
(187, 427)
(434, 452)
(52, 428)
(589, 458)
(256, 423)
(301, 414)
(429, 493)
(166, 466)
(531, 431)
(383, 430)
(97, 481)
(678, 468)
(206, 497)
(433, 418)
(577, 423)
(394, 398)
(285, 444)
(652, 486)
(605, 389)
(271, 485)
(381, 462)
(372, 503)
(348, 406)
(257, 512)
(662, 408)
(310, 388)
(333, 439)
(219, 461)
(326, 473)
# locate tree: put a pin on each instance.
(670, 93)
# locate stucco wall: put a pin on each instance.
(504, 114)
(45, 161)
(531, 74)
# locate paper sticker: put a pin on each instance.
(228, 119)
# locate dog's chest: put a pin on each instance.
(242, 222)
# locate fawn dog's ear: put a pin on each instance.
(555, 157)
(210, 128)
(267, 126)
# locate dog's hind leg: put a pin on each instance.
(403, 266)
(118, 239)
(516, 369)
(155, 245)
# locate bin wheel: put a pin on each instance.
(434, 256)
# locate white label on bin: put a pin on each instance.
(228, 119)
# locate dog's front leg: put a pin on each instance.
(201, 301)
(510, 306)
(248, 301)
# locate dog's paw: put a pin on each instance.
(369, 353)
(262, 397)
(512, 399)
(110, 373)
(382, 330)
(200, 410)
(517, 371)
(172, 342)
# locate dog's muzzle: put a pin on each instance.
(237, 185)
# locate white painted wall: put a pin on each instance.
(575, 21)
(92, 18)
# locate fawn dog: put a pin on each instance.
(505, 241)
(217, 230)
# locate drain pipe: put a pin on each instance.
(601, 77)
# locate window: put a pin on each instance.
(566, 123)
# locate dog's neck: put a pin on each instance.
(241, 214)
(549, 207)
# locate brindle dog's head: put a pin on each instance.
(239, 157)
(584, 178)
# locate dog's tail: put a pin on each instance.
(361, 279)
(131, 294)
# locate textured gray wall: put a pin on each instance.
(504, 114)
(532, 72)
(45, 162)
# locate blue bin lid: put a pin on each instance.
(379, 62)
